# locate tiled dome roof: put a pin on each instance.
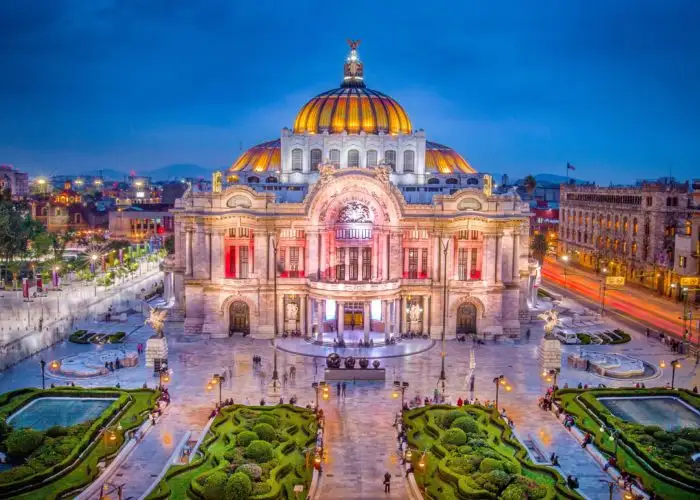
(444, 160)
(260, 158)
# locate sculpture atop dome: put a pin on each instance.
(353, 69)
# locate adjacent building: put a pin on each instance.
(351, 220)
(630, 230)
(141, 222)
(14, 180)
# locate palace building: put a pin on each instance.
(351, 221)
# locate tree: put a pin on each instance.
(539, 247)
(530, 184)
(17, 228)
(169, 244)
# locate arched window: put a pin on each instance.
(635, 226)
(271, 179)
(77, 218)
(297, 160)
(334, 157)
(472, 181)
(433, 180)
(316, 159)
(409, 160)
(390, 158)
(451, 180)
(353, 158)
(253, 180)
(372, 158)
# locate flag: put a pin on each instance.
(569, 166)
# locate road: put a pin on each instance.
(638, 305)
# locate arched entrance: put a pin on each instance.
(466, 319)
(239, 318)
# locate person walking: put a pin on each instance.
(337, 387)
(387, 482)
(344, 386)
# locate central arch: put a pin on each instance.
(239, 318)
(466, 319)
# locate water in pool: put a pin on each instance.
(43, 413)
(666, 412)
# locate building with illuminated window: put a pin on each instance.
(351, 220)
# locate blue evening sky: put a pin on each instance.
(515, 86)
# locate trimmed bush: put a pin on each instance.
(490, 464)
(467, 424)
(260, 451)
(265, 432)
(450, 416)
(215, 485)
(246, 437)
(514, 491)
(454, 436)
(261, 489)
(238, 487)
(22, 442)
(253, 471)
(266, 419)
(56, 431)
(499, 478)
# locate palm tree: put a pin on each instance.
(539, 247)
(530, 184)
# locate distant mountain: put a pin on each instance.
(178, 171)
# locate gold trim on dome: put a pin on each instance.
(260, 158)
(445, 160)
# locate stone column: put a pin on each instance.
(188, 251)
(280, 313)
(251, 259)
(488, 273)
(376, 238)
(395, 257)
(346, 276)
(385, 318)
(516, 256)
(311, 254)
(499, 258)
(360, 261)
(397, 316)
(403, 319)
(367, 320)
(217, 254)
(324, 254)
(425, 315)
(331, 255)
(201, 262)
(303, 324)
(469, 263)
(340, 316)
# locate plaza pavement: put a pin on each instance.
(361, 444)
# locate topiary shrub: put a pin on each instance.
(679, 449)
(514, 491)
(265, 432)
(261, 489)
(5, 428)
(499, 478)
(260, 451)
(244, 438)
(56, 431)
(455, 436)
(22, 442)
(238, 486)
(663, 436)
(215, 485)
(253, 471)
(652, 429)
(448, 417)
(467, 424)
(266, 419)
(490, 464)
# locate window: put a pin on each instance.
(77, 218)
(635, 226)
(433, 180)
(682, 261)
(297, 160)
(353, 263)
(253, 180)
(451, 180)
(390, 159)
(649, 201)
(340, 264)
(281, 265)
(243, 262)
(366, 263)
(475, 273)
(271, 179)
(412, 263)
(472, 181)
(334, 156)
(231, 262)
(462, 263)
(372, 158)
(424, 263)
(353, 158)
(294, 262)
(316, 159)
(409, 159)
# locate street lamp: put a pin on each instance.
(613, 436)
(217, 379)
(676, 363)
(399, 386)
(318, 386)
(43, 378)
(499, 381)
(275, 385)
(443, 377)
(551, 376)
(163, 373)
(565, 258)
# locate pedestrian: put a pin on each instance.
(344, 386)
(387, 482)
(338, 389)
(284, 380)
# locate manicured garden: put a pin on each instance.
(660, 458)
(85, 337)
(59, 460)
(612, 337)
(259, 452)
(469, 452)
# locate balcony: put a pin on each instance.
(352, 286)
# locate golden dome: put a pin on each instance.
(260, 158)
(352, 110)
(445, 160)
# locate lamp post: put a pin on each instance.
(552, 375)
(613, 436)
(217, 379)
(318, 386)
(275, 385)
(565, 259)
(676, 363)
(43, 377)
(499, 381)
(399, 386)
(163, 373)
(604, 288)
(443, 377)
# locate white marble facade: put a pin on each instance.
(353, 254)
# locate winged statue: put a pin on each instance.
(156, 319)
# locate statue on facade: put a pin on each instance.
(156, 319)
(217, 182)
(414, 313)
(551, 320)
(292, 311)
(382, 173)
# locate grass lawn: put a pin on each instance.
(469, 453)
(228, 451)
(134, 404)
(638, 441)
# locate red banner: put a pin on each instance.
(39, 285)
(25, 288)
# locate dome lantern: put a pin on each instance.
(353, 68)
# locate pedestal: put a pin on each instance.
(156, 348)
(549, 353)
